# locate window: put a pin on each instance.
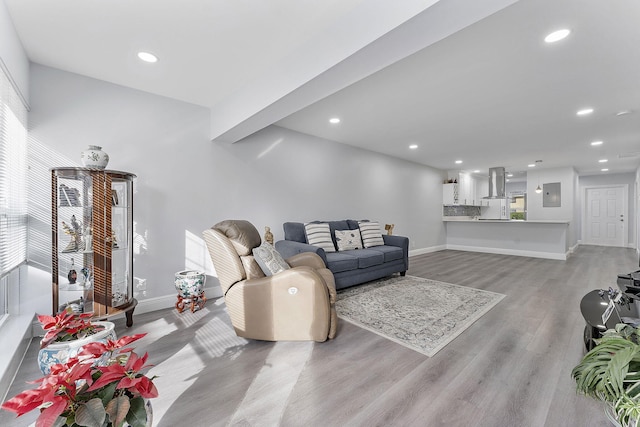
(13, 178)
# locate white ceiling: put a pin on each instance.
(490, 92)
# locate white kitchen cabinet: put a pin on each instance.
(467, 191)
(482, 191)
(450, 194)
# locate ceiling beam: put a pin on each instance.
(315, 72)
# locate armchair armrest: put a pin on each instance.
(313, 260)
(400, 241)
(310, 259)
(292, 305)
(289, 248)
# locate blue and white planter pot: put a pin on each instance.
(190, 287)
(190, 284)
(61, 352)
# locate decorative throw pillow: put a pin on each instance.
(371, 235)
(269, 260)
(348, 239)
(318, 234)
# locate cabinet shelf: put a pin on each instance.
(92, 209)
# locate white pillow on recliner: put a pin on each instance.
(269, 260)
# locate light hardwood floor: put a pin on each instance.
(511, 368)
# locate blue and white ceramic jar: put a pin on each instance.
(190, 287)
(61, 352)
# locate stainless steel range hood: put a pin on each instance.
(497, 183)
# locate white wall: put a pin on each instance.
(627, 179)
(12, 56)
(187, 183)
(515, 187)
(567, 177)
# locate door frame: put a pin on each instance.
(625, 209)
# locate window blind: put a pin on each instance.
(13, 177)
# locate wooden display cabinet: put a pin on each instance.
(92, 241)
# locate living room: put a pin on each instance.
(186, 183)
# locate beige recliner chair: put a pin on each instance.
(294, 305)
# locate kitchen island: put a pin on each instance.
(531, 238)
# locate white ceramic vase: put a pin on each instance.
(61, 352)
(94, 158)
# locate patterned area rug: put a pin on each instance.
(422, 314)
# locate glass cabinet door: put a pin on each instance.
(74, 249)
(121, 292)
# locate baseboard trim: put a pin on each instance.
(154, 304)
(499, 251)
(428, 250)
(144, 306)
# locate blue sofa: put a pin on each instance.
(350, 267)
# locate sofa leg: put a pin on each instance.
(402, 273)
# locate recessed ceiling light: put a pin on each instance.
(476, 171)
(594, 143)
(334, 120)
(584, 112)
(557, 35)
(623, 112)
(147, 57)
(531, 165)
(604, 170)
(458, 162)
(510, 175)
(603, 161)
(413, 146)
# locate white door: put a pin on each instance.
(605, 222)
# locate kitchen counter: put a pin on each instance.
(531, 238)
(503, 221)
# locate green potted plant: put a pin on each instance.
(82, 392)
(610, 372)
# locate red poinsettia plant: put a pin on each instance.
(65, 326)
(83, 393)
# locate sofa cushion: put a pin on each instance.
(368, 257)
(338, 225)
(391, 253)
(294, 231)
(319, 234)
(269, 260)
(370, 232)
(348, 240)
(341, 261)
